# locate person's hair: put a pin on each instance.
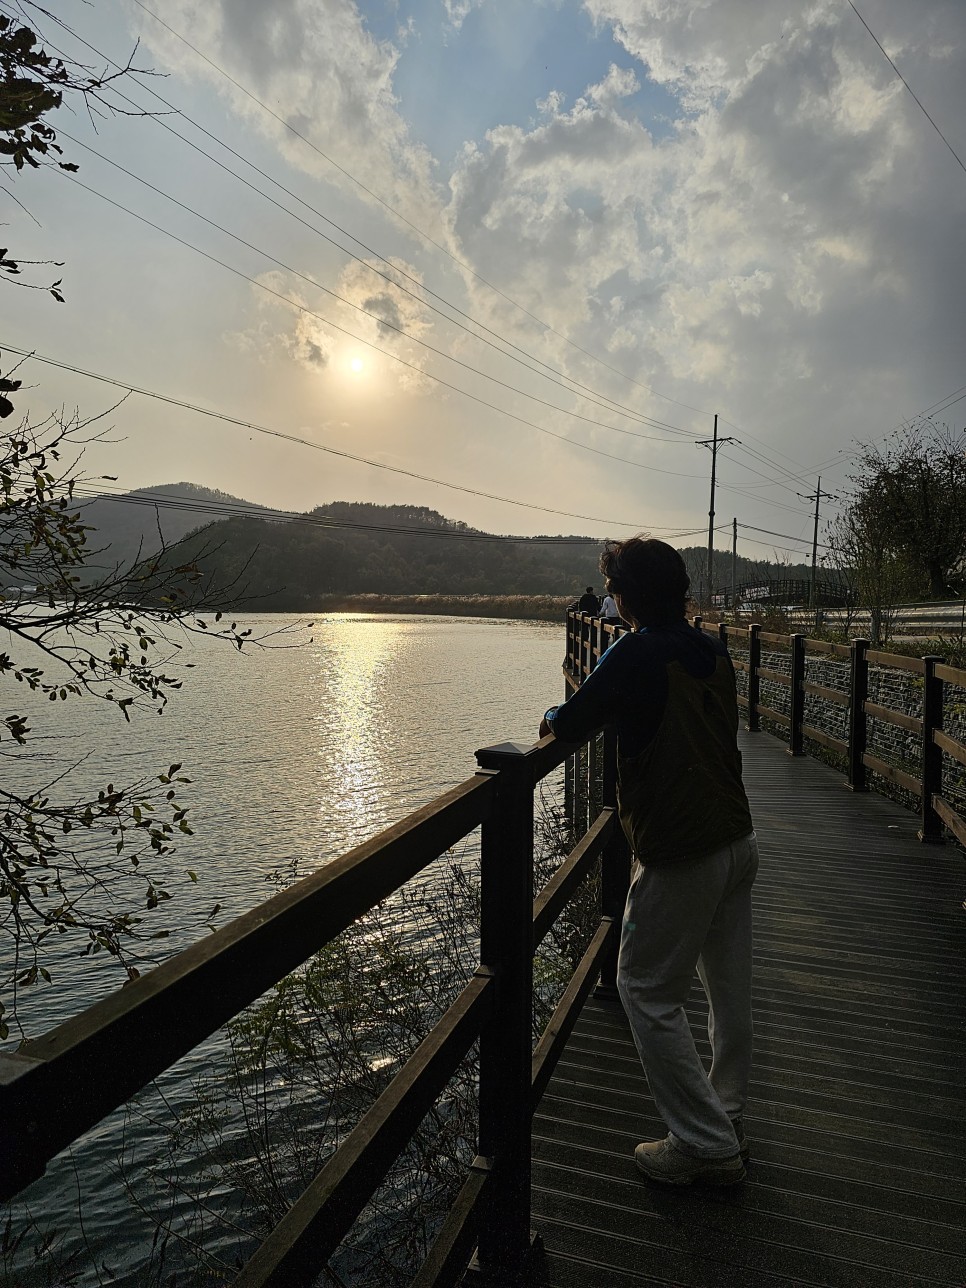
(589, 590)
(650, 578)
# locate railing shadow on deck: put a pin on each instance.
(65, 1082)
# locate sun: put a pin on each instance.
(356, 365)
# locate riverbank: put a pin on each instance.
(545, 608)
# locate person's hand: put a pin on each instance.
(544, 728)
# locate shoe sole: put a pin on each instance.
(710, 1176)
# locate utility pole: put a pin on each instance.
(734, 567)
(714, 443)
(815, 496)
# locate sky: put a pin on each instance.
(504, 260)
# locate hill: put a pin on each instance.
(353, 548)
(356, 548)
(138, 523)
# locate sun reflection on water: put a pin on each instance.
(357, 672)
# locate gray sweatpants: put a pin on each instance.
(696, 914)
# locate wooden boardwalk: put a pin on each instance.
(857, 1116)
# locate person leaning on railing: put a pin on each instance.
(670, 691)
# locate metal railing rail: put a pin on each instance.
(68, 1080)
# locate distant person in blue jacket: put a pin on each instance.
(670, 691)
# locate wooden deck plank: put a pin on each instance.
(857, 1113)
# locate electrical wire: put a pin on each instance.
(609, 404)
(601, 399)
(941, 405)
(945, 403)
(769, 545)
(219, 510)
(359, 308)
(301, 308)
(302, 442)
(460, 263)
(956, 156)
(787, 536)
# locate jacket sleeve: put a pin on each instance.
(595, 704)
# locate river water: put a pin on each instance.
(297, 750)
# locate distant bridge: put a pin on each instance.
(784, 592)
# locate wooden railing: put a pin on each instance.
(67, 1081)
(588, 638)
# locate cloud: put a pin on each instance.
(386, 317)
(798, 225)
(553, 207)
(786, 250)
(320, 70)
(457, 11)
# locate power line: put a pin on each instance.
(607, 401)
(234, 509)
(945, 403)
(303, 442)
(787, 536)
(904, 81)
(359, 308)
(599, 398)
(466, 267)
(941, 405)
(770, 545)
(301, 308)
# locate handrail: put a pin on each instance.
(935, 809)
(825, 646)
(951, 675)
(68, 1080)
(899, 718)
(949, 745)
(72, 1077)
(897, 660)
(315, 1225)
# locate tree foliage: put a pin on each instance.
(903, 532)
(78, 865)
(32, 86)
(73, 863)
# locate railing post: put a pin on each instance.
(723, 633)
(754, 681)
(571, 659)
(506, 1243)
(858, 692)
(696, 621)
(614, 870)
(796, 739)
(931, 832)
